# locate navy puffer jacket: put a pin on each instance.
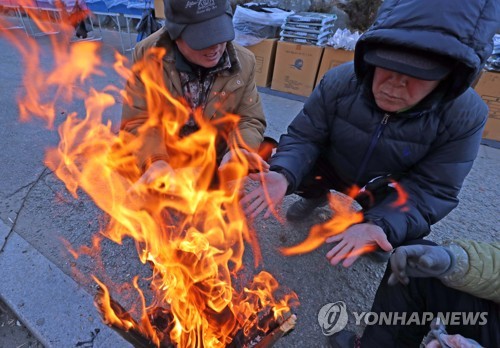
(430, 147)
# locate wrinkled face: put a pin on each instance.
(395, 92)
(207, 58)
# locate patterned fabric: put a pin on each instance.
(233, 92)
(476, 268)
(196, 83)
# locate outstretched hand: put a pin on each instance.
(255, 162)
(156, 170)
(355, 241)
(418, 261)
(268, 194)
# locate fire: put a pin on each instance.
(192, 235)
(345, 214)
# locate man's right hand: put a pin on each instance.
(418, 261)
(156, 170)
(268, 194)
(453, 341)
(254, 161)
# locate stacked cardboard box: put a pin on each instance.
(488, 87)
(159, 9)
(264, 53)
(308, 28)
(331, 58)
(298, 55)
(296, 68)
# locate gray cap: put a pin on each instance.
(200, 23)
(421, 65)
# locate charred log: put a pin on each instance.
(261, 330)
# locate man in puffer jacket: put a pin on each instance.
(403, 112)
(457, 283)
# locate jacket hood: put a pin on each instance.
(460, 29)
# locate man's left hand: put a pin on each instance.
(418, 261)
(356, 240)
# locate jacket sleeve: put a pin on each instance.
(476, 269)
(136, 119)
(433, 184)
(252, 122)
(306, 135)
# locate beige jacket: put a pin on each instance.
(476, 270)
(233, 91)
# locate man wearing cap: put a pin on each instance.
(402, 115)
(208, 72)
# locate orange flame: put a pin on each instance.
(402, 196)
(194, 236)
(344, 216)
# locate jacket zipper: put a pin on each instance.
(373, 143)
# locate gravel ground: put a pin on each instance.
(13, 334)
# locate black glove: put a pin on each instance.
(375, 190)
(419, 261)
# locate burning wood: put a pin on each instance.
(161, 320)
(270, 339)
(128, 327)
(261, 339)
(190, 228)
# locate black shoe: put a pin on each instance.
(305, 206)
(343, 339)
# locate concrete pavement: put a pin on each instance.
(45, 287)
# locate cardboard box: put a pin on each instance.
(488, 87)
(265, 52)
(295, 68)
(333, 57)
(159, 9)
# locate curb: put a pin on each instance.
(57, 311)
